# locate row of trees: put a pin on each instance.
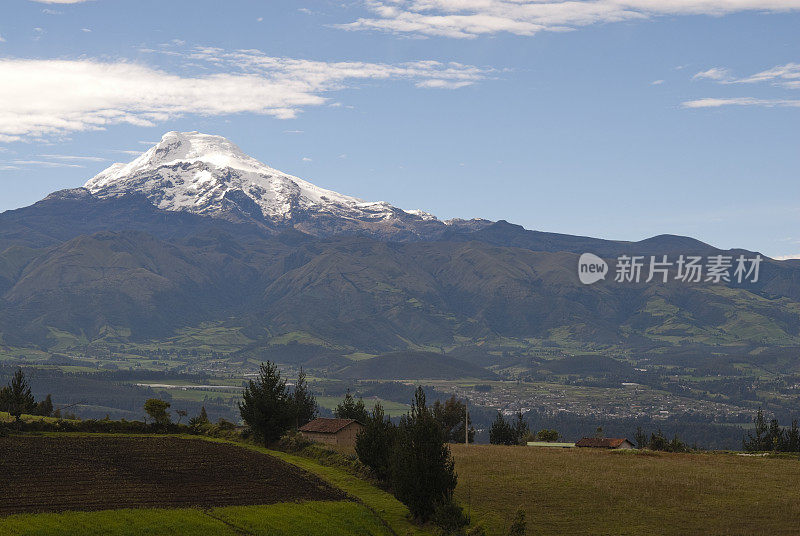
(16, 399)
(450, 414)
(771, 436)
(513, 432)
(517, 432)
(413, 459)
(270, 409)
(658, 441)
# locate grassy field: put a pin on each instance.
(332, 518)
(583, 491)
(6, 417)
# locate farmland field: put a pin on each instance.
(589, 491)
(317, 518)
(100, 473)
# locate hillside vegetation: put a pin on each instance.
(78, 270)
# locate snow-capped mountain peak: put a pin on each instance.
(209, 175)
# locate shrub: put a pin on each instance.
(548, 435)
(450, 517)
(293, 441)
(157, 410)
(519, 527)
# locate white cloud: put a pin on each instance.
(60, 1)
(781, 75)
(306, 159)
(786, 76)
(123, 151)
(472, 18)
(72, 157)
(42, 163)
(788, 257)
(2, 40)
(715, 73)
(656, 82)
(741, 101)
(53, 97)
(86, 30)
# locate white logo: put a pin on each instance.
(591, 268)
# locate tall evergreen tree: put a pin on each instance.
(776, 436)
(304, 405)
(793, 438)
(421, 466)
(760, 440)
(501, 432)
(521, 429)
(641, 438)
(45, 407)
(266, 406)
(16, 398)
(350, 408)
(374, 443)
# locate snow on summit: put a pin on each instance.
(209, 175)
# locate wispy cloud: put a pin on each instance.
(740, 101)
(787, 76)
(60, 1)
(784, 76)
(42, 163)
(788, 257)
(717, 74)
(656, 82)
(472, 18)
(130, 152)
(53, 97)
(69, 157)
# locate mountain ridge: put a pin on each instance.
(111, 266)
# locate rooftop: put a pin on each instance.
(326, 426)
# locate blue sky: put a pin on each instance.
(613, 118)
